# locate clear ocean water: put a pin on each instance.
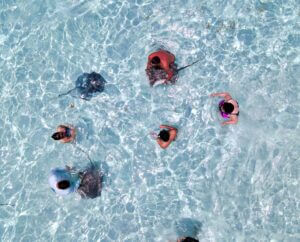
(233, 183)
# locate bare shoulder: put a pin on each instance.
(227, 96)
(162, 144)
(173, 133)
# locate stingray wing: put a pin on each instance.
(89, 84)
(90, 186)
(156, 76)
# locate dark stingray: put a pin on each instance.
(91, 183)
(159, 76)
(87, 86)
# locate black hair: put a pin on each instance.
(228, 107)
(189, 239)
(64, 184)
(164, 135)
(155, 60)
(156, 67)
(59, 135)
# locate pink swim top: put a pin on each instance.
(223, 114)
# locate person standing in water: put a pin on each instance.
(161, 67)
(165, 136)
(64, 133)
(229, 108)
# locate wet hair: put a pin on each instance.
(164, 135)
(189, 239)
(156, 67)
(155, 60)
(64, 184)
(59, 135)
(228, 107)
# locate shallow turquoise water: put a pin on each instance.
(240, 182)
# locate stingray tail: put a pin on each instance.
(83, 151)
(182, 68)
(6, 204)
(66, 93)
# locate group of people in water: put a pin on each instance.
(161, 69)
(64, 181)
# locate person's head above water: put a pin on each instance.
(228, 107)
(64, 133)
(164, 135)
(59, 135)
(64, 184)
(155, 60)
(189, 239)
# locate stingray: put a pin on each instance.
(87, 86)
(91, 183)
(158, 76)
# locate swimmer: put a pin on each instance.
(87, 183)
(165, 136)
(161, 68)
(63, 181)
(64, 133)
(187, 239)
(229, 108)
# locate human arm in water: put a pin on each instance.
(233, 120)
(225, 95)
(170, 59)
(167, 127)
(163, 144)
